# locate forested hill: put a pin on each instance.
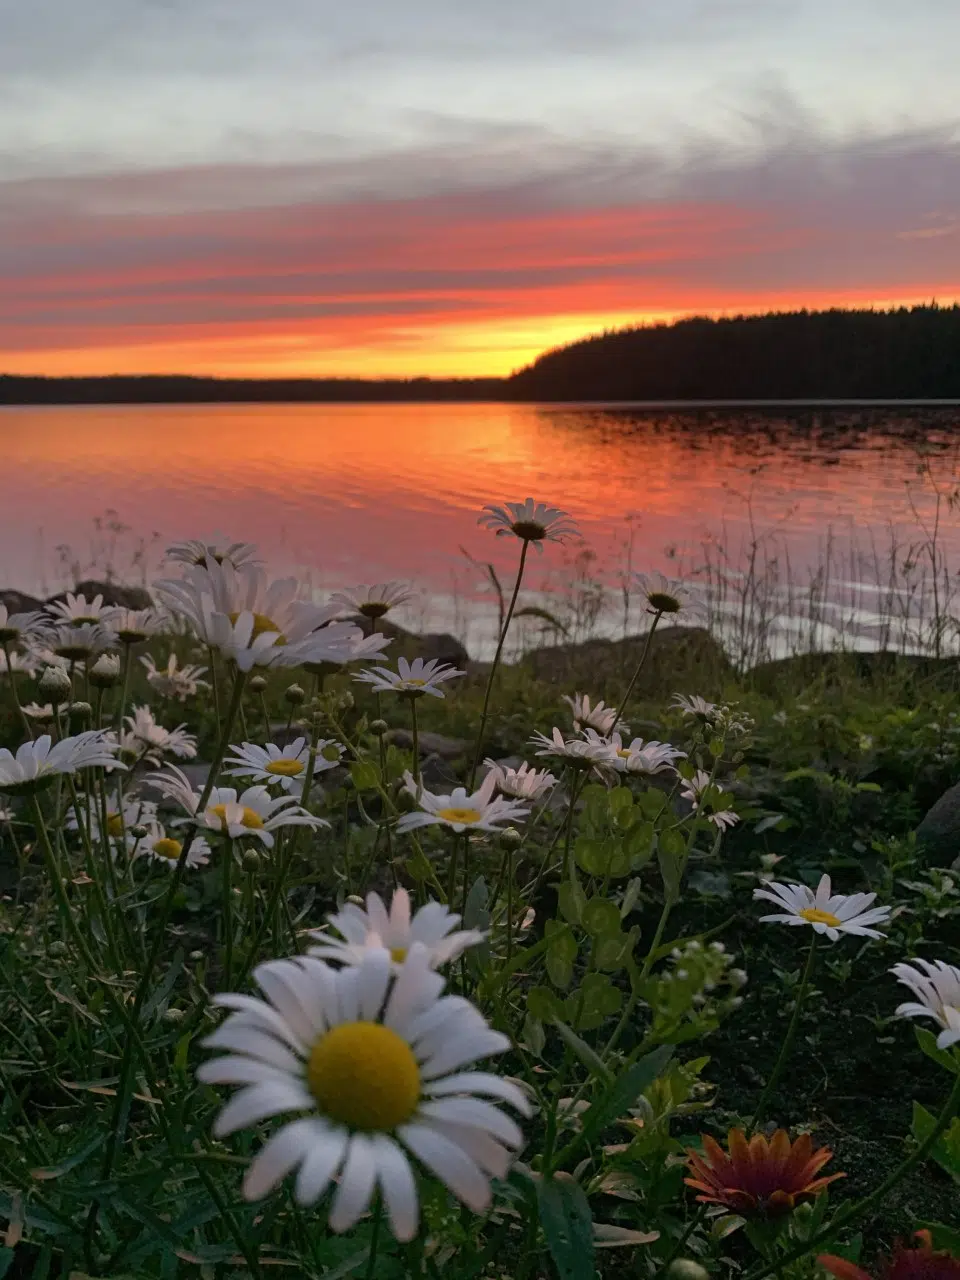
(817, 355)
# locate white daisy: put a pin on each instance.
(669, 595)
(76, 610)
(286, 767)
(17, 663)
(17, 626)
(130, 626)
(78, 641)
(529, 521)
(580, 753)
(121, 817)
(724, 819)
(194, 551)
(255, 622)
(36, 764)
(160, 847)
(376, 1062)
(600, 717)
(253, 812)
(411, 679)
(694, 705)
(828, 913)
(525, 783)
(431, 927)
(37, 712)
(476, 811)
(694, 789)
(150, 741)
(936, 985)
(638, 756)
(173, 681)
(375, 601)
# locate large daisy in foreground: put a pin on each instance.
(374, 1066)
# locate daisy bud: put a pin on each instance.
(717, 946)
(251, 860)
(736, 1002)
(198, 955)
(257, 684)
(687, 1269)
(294, 694)
(346, 701)
(138, 831)
(57, 948)
(510, 837)
(80, 710)
(55, 684)
(105, 672)
(737, 977)
(173, 1015)
(379, 727)
(356, 900)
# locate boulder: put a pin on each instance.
(914, 671)
(408, 644)
(114, 593)
(431, 744)
(938, 834)
(19, 601)
(681, 659)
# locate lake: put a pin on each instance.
(349, 493)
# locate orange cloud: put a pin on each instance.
(470, 283)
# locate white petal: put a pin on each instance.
(278, 980)
(481, 1082)
(947, 1038)
(399, 1187)
(475, 1114)
(450, 1163)
(321, 1164)
(495, 1160)
(356, 1184)
(415, 989)
(265, 1015)
(255, 1044)
(320, 990)
(374, 976)
(234, 1070)
(276, 1158)
(258, 1102)
(348, 994)
(458, 1053)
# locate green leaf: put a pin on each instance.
(928, 1043)
(595, 1000)
(631, 897)
(619, 802)
(6, 1259)
(624, 1092)
(670, 872)
(946, 1150)
(944, 1237)
(601, 917)
(590, 1059)
(567, 1226)
(651, 802)
(571, 900)
(543, 1004)
(71, 1162)
(561, 953)
(522, 958)
(418, 867)
(533, 1036)
(613, 953)
(365, 775)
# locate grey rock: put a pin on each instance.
(939, 831)
(436, 773)
(431, 744)
(19, 601)
(438, 645)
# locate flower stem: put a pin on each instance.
(636, 675)
(374, 1240)
(14, 690)
(124, 690)
(415, 736)
(496, 662)
(226, 870)
(789, 1038)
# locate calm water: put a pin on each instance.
(365, 492)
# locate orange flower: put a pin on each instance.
(923, 1263)
(759, 1177)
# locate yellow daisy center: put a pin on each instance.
(251, 819)
(114, 824)
(169, 849)
(365, 1076)
(816, 916)
(624, 753)
(398, 954)
(466, 816)
(261, 626)
(415, 682)
(285, 768)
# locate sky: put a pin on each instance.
(447, 187)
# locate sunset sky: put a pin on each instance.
(448, 187)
